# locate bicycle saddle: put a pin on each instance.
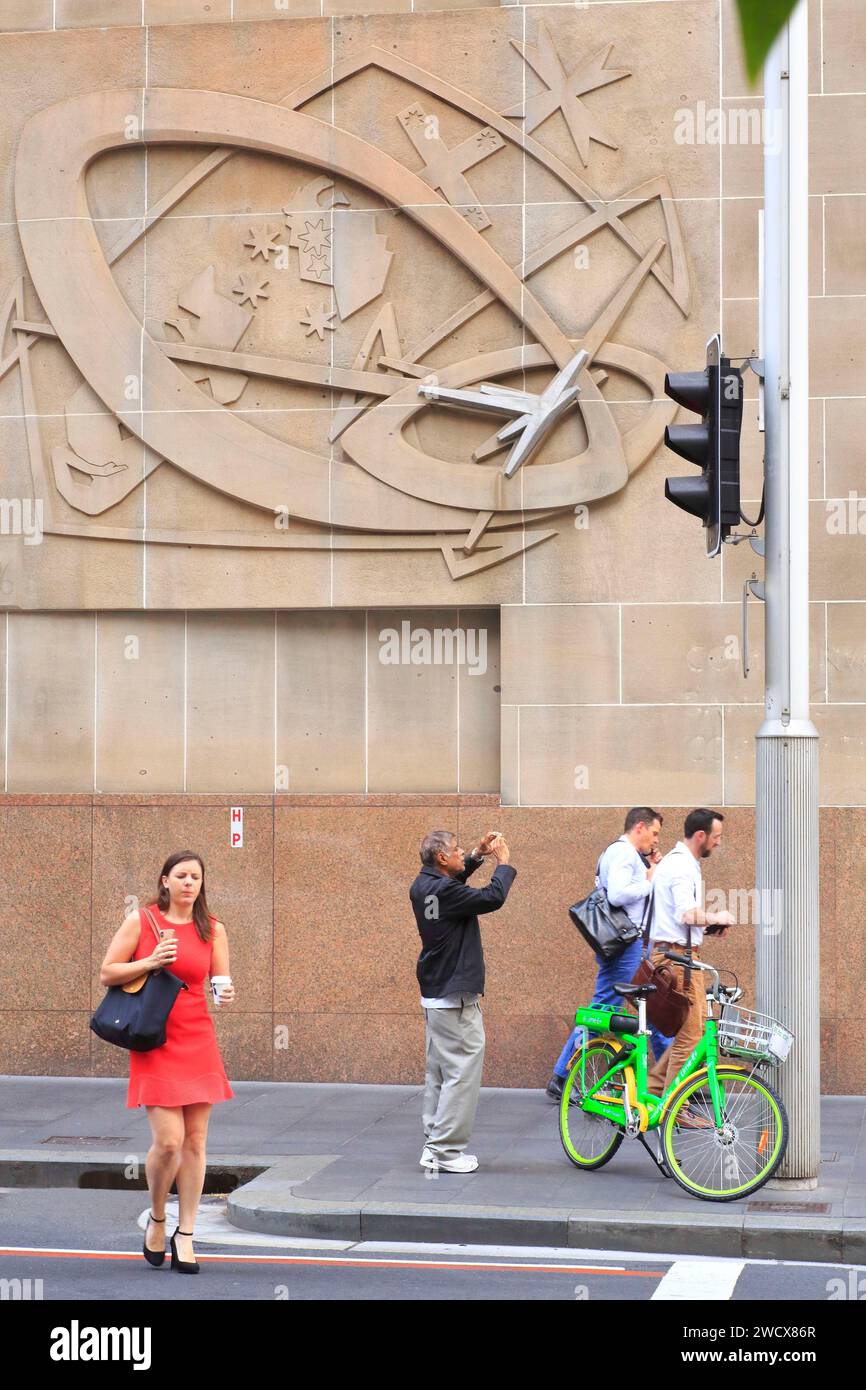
(634, 991)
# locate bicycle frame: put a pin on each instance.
(633, 1067)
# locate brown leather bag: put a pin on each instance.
(667, 1008)
(134, 985)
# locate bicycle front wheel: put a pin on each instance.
(589, 1140)
(721, 1163)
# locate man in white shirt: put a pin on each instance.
(678, 922)
(625, 872)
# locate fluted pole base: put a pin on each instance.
(788, 977)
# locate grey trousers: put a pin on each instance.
(455, 1056)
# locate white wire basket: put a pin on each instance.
(745, 1033)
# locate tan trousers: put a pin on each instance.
(455, 1056)
(662, 1073)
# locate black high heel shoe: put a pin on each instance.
(153, 1257)
(182, 1266)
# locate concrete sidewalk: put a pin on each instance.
(342, 1162)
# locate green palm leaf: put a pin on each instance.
(760, 23)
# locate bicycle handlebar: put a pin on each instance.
(695, 965)
(679, 960)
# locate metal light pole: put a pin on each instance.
(787, 742)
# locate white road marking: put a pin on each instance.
(706, 1280)
(701, 1278)
(545, 1252)
(526, 1252)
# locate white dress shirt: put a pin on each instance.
(677, 888)
(623, 875)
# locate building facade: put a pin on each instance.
(295, 567)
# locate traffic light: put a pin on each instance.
(716, 394)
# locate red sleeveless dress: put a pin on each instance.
(188, 1067)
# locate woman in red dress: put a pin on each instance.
(179, 1082)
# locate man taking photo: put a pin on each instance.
(450, 974)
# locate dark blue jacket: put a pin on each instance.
(447, 911)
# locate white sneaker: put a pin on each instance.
(463, 1163)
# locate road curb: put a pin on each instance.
(268, 1204)
(263, 1200)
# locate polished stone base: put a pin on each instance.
(322, 940)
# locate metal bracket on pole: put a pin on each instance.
(758, 367)
(754, 586)
(755, 541)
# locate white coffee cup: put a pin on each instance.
(218, 984)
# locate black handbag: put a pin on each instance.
(134, 1015)
(607, 929)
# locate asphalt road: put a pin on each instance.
(84, 1246)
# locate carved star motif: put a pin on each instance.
(564, 90)
(315, 237)
(476, 217)
(318, 320)
(414, 116)
(251, 288)
(487, 139)
(263, 241)
(318, 265)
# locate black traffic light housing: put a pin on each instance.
(716, 394)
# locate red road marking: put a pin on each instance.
(343, 1262)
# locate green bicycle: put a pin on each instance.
(721, 1129)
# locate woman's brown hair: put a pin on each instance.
(200, 914)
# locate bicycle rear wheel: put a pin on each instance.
(723, 1163)
(589, 1140)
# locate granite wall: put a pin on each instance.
(323, 944)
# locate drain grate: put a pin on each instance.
(86, 1139)
(797, 1208)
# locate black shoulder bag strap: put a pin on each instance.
(648, 919)
(603, 853)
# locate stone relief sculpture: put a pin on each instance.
(564, 91)
(216, 321)
(379, 487)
